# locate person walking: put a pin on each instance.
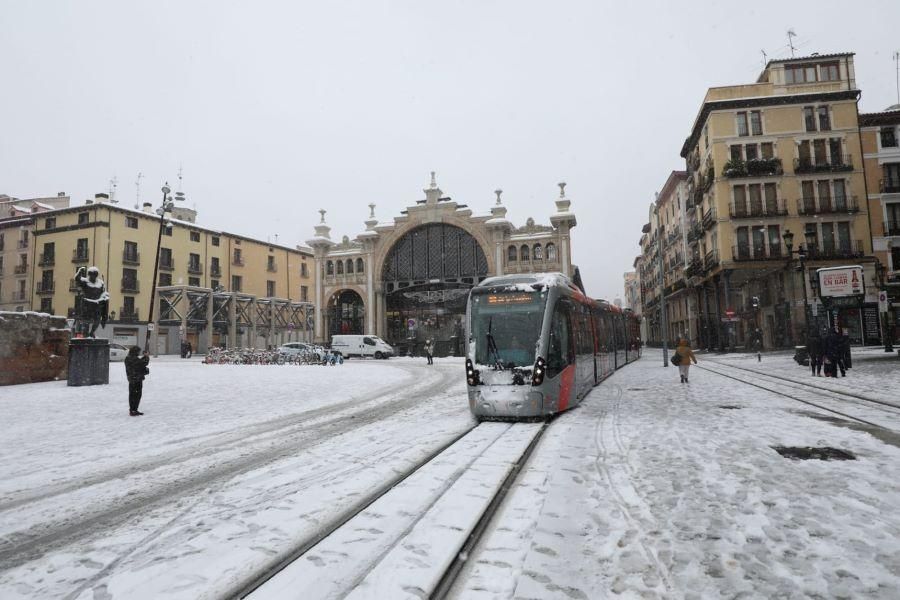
(758, 344)
(834, 354)
(429, 351)
(814, 349)
(685, 356)
(135, 370)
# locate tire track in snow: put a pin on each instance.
(21, 547)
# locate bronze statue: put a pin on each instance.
(94, 302)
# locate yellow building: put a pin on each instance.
(778, 155)
(881, 151)
(122, 243)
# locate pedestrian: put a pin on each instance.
(758, 344)
(834, 354)
(190, 350)
(685, 356)
(429, 351)
(135, 370)
(847, 359)
(814, 349)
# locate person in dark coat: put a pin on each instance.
(136, 369)
(814, 349)
(834, 354)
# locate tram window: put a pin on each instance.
(560, 351)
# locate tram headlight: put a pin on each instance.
(472, 375)
(540, 368)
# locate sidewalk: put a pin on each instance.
(654, 489)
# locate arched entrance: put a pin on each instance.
(426, 278)
(345, 314)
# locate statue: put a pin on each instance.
(94, 302)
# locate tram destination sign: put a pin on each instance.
(837, 282)
(511, 298)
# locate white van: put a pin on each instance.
(361, 345)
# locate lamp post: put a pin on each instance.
(802, 254)
(883, 317)
(166, 206)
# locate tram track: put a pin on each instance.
(820, 396)
(424, 524)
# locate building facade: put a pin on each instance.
(881, 153)
(764, 159)
(407, 280)
(122, 243)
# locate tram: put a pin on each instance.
(536, 345)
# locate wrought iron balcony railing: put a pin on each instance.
(195, 268)
(130, 286)
(711, 259)
(839, 250)
(45, 287)
(828, 206)
(743, 252)
(891, 227)
(837, 163)
(130, 257)
(22, 244)
(80, 256)
(889, 186)
(21, 269)
(757, 167)
(47, 260)
(215, 271)
(128, 314)
(237, 261)
(756, 210)
(166, 264)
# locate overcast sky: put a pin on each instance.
(277, 109)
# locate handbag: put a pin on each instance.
(676, 359)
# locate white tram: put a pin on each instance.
(536, 345)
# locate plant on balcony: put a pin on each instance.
(763, 166)
(735, 168)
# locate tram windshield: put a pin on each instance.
(506, 327)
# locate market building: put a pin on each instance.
(407, 280)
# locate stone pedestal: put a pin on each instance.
(88, 361)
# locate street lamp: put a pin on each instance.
(886, 333)
(802, 253)
(165, 208)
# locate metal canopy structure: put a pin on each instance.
(243, 319)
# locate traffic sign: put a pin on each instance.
(882, 301)
(151, 326)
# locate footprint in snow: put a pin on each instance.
(546, 550)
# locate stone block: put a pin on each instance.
(88, 361)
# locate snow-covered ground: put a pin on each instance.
(652, 490)
(230, 467)
(649, 489)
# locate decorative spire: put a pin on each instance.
(433, 181)
(322, 212)
(562, 189)
(432, 193)
(372, 210)
(498, 191)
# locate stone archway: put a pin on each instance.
(345, 314)
(426, 276)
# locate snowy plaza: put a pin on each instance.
(377, 473)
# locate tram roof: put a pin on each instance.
(544, 279)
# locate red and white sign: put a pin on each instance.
(841, 281)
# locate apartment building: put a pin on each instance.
(779, 155)
(17, 218)
(881, 152)
(122, 243)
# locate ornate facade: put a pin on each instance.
(407, 280)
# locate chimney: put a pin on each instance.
(101, 198)
(61, 195)
(148, 207)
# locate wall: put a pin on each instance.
(33, 347)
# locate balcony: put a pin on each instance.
(80, 256)
(711, 260)
(828, 206)
(841, 250)
(758, 210)
(215, 271)
(44, 287)
(709, 218)
(272, 268)
(237, 261)
(21, 269)
(73, 285)
(695, 232)
(889, 186)
(166, 263)
(195, 268)
(757, 167)
(131, 257)
(131, 286)
(128, 314)
(745, 252)
(22, 244)
(19, 296)
(837, 164)
(47, 260)
(892, 228)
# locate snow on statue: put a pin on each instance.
(94, 302)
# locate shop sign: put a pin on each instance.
(841, 281)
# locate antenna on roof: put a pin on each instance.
(113, 183)
(765, 58)
(180, 173)
(897, 63)
(137, 185)
(791, 35)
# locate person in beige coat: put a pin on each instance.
(686, 355)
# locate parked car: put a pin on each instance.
(117, 352)
(361, 345)
(292, 348)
